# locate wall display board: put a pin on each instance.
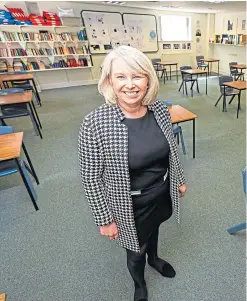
(105, 31)
(143, 29)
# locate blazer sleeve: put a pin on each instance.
(91, 170)
(180, 172)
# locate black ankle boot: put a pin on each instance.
(160, 265)
(136, 264)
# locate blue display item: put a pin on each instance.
(7, 22)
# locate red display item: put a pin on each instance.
(53, 23)
(17, 13)
(50, 16)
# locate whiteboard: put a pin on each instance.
(147, 26)
(100, 27)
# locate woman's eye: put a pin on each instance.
(120, 77)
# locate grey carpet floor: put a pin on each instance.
(57, 253)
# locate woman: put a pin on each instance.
(129, 163)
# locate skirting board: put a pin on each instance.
(68, 84)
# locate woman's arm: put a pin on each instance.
(91, 170)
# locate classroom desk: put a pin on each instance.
(211, 60)
(239, 85)
(10, 149)
(170, 64)
(196, 72)
(3, 297)
(180, 114)
(25, 97)
(239, 66)
(5, 78)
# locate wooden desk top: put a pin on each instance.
(239, 84)
(10, 146)
(239, 66)
(167, 63)
(179, 114)
(16, 98)
(210, 60)
(10, 77)
(194, 71)
(3, 297)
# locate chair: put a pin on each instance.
(25, 84)
(228, 90)
(187, 78)
(200, 63)
(9, 167)
(17, 110)
(177, 130)
(241, 226)
(158, 67)
(234, 71)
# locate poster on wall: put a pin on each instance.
(167, 46)
(152, 35)
(176, 46)
(198, 46)
(198, 33)
(188, 46)
(229, 25)
(243, 24)
(184, 46)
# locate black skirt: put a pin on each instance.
(151, 208)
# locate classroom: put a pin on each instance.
(51, 55)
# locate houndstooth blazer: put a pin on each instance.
(103, 159)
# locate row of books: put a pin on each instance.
(72, 63)
(70, 50)
(40, 51)
(42, 36)
(18, 52)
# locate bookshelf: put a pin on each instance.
(229, 40)
(45, 47)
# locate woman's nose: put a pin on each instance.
(129, 83)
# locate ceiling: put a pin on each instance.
(185, 6)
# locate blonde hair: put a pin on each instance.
(135, 61)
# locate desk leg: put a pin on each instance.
(224, 100)
(239, 97)
(36, 114)
(218, 68)
(36, 91)
(26, 184)
(194, 138)
(170, 72)
(30, 163)
(34, 119)
(206, 84)
(177, 72)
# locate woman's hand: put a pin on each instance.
(182, 190)
(111, 231)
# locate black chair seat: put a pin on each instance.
(7, 165)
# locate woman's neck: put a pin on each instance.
(133, 111)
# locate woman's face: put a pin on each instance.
(130, 88)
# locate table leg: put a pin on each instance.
(224, 100)
(30, 163)
(218, 68)
(26, 184)
(36, 91)
(239, 97)
(36, 114)
(170, 72)
(206, 84)
(34, 118)
(177, 72)
(194, 138)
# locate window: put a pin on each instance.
(175, 28)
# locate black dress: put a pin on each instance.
(148, 164)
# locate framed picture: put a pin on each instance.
(188, 46)
(184, 46)
(167, 46)
(243, 24)
(229, 25)
(176, 46)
